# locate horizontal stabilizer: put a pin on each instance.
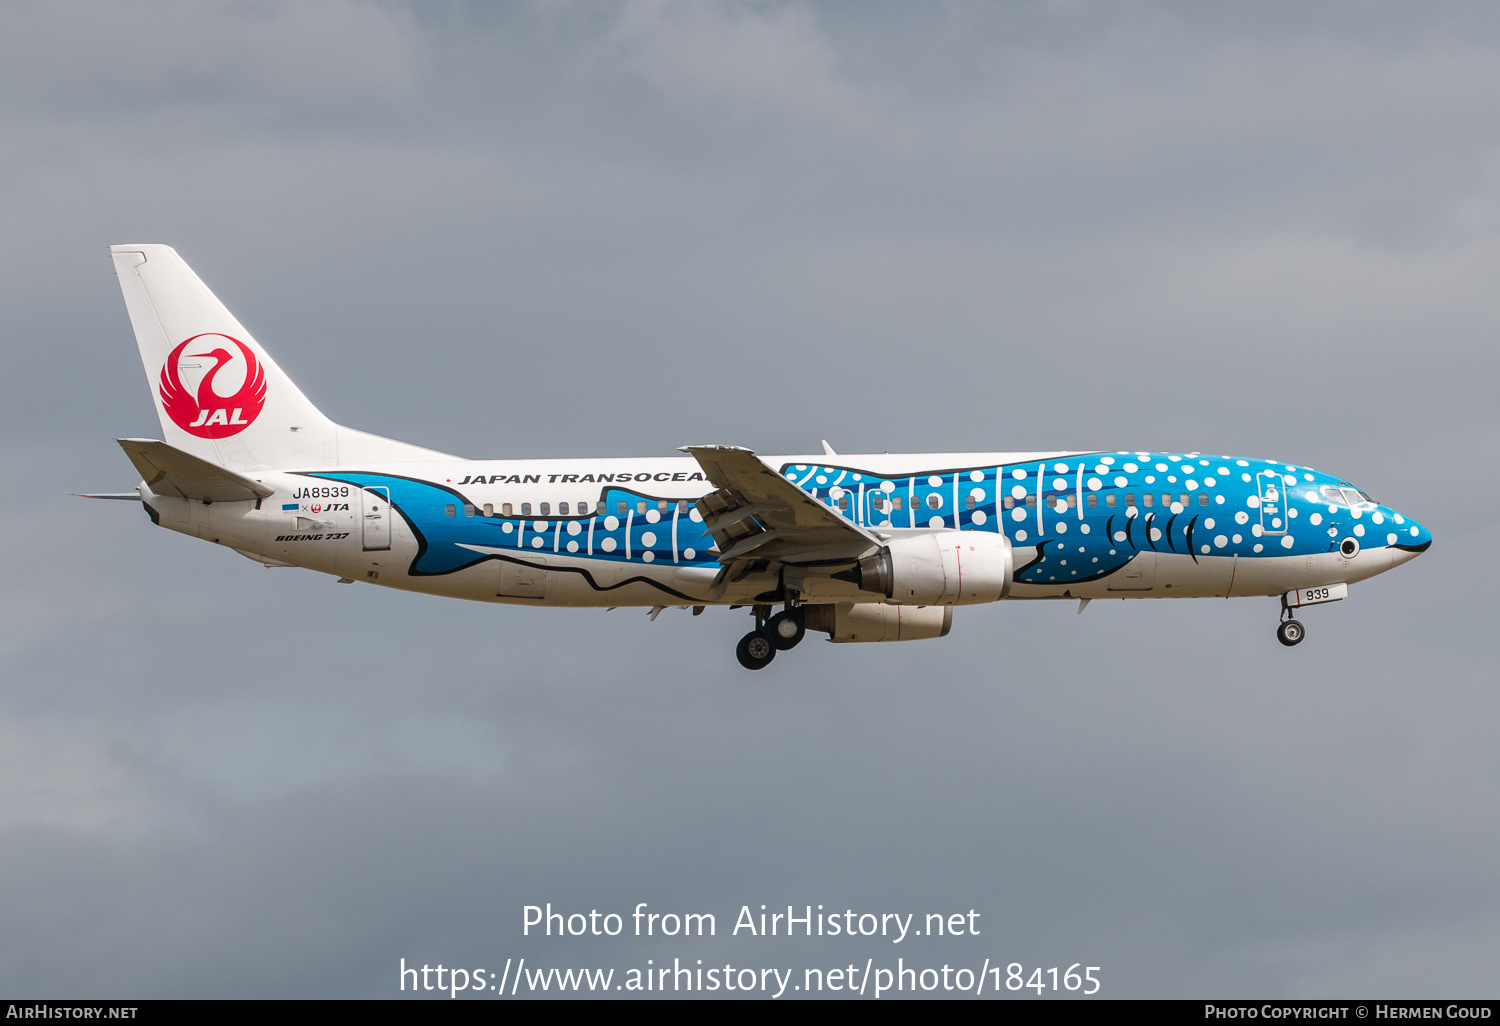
(169, 471)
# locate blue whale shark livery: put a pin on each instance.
(874, 547)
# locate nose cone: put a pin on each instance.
(1407, 538)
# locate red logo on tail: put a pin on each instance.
(208, 414)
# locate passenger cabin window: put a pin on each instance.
(546, 509)
(1093, 499)
(505, 509)
(620, 507)
(898, 501)
(489, 509)
(450, 509)
(562, 509)
(1129, 499)
(1166, 499)
(640, 506)
(1073, 501)
(661, 505)
(525, 509)
(1109, 500)
(843, 502)
(583, 508)
(1185, 498)
(682, 506)
(1031, 502)
(1010, 503)
(468, 509)
(1147, 499)
(934, 501)
(970, 504)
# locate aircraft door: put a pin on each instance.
(375, 505)
(1137, 575)
(524, 580)
(1272, 505)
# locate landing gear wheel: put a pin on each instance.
(755, 650)
(786, 629)
(1290, 632)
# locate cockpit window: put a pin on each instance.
(1347, 494)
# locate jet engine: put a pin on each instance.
(941, 569)
(876, 621)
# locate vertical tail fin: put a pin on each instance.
(218, 394)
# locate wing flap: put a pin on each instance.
(758, 514)
(170, 471)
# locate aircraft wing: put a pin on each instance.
(169, 471)
(756, 514)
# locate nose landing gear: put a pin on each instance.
(1290, 631)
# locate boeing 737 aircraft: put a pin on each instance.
(861, 548)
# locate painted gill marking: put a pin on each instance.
(1040, 529)
(1189, 531)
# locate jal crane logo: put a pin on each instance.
(206, 413)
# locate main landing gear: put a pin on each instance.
(1290, 631)
(772, 634)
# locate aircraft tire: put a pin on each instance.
(755, 650)
(787, 629)
(1291, 632)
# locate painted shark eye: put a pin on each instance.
(1349, 548)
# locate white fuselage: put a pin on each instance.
(555, 552)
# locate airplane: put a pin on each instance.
(875, 547)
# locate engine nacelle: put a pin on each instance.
(876, 621)
(942, 569)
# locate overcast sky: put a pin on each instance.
(561, 229)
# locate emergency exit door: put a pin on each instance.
(1272, 502)
(376, 517)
